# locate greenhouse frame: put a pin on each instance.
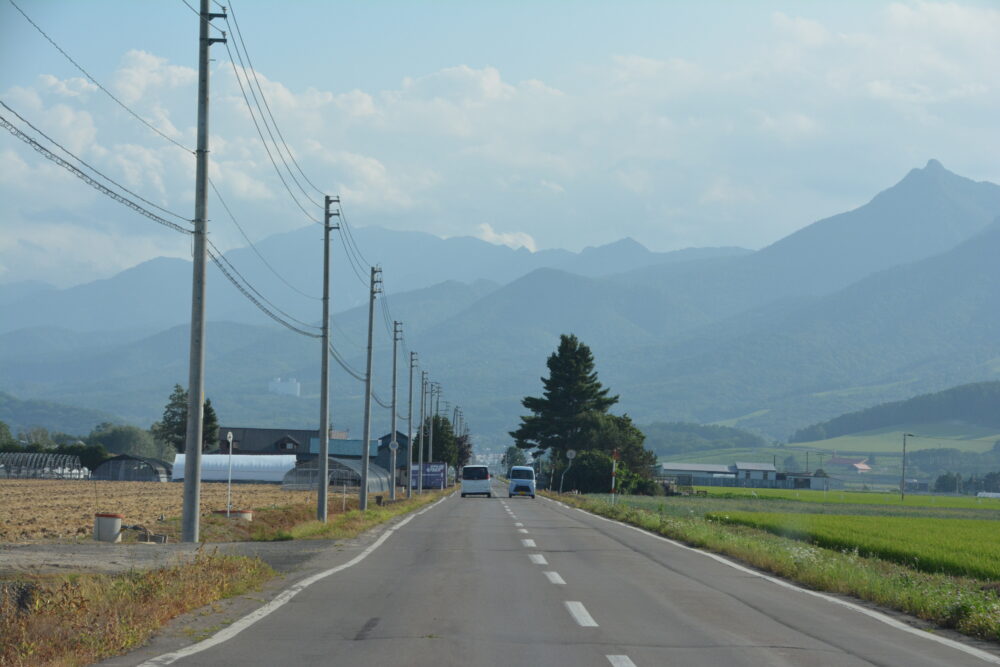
(127, 468)
(343, 472)
(246, 467)
(38, 465)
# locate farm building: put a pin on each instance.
(753, 475)
(246, 467)
(342, 472)
(37, 465)
(126, 468)
(274, 440)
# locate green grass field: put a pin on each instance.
(889, 440)
(962, 547)
(855, 498)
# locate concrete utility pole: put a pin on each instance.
(397, 331)
(435, 387)
(902, 474)
(196, 370)
(376, 287)
(423, 401)
(409, 430)
(324, 384)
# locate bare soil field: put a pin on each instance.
(33, 510)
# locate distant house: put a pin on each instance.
(275, 440)
(742, 474)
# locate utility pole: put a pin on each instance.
(409, 430)
(324, 383)
(196, 370)
(433, 413)
(902, 474)
(397, 331)
(423, 397)
(376, 287)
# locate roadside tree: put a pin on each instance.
(172, 428)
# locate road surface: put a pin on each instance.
(501, 581)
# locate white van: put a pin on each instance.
(476, 481)
(522, 481)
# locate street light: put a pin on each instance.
(229, 484)
(902, 474)
(570, 455)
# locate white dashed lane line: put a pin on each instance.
(538, 559)
(523, 530)
(580, 614)
(528, 543)
(555, 578)
(620, 661)
(519, 524)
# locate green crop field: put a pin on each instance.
(955, 435)
(854, 497)
(963, 547)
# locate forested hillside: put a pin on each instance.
(678, 437)
(977, 403)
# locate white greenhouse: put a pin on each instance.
(246, 467)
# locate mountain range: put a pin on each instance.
(880, 303)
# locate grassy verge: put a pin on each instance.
(80, 619)
(968, 605)
(298, 521)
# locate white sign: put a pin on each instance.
(393, 445)
(571, 454)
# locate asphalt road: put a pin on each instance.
(500, 581)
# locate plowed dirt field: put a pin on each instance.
(33, 510)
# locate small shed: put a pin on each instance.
(127, 468)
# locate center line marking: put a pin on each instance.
(620, 661)
(555, 578)
(522, 530)
(538, 559)
(580, 614)
(528, 543)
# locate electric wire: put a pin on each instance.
(253, 70)
(97, 83)
(254, 247)
(121, 199)
(208, 21)
(90, 167)
(222, 258)
(267, 149)
(264, 309)
(343, 364)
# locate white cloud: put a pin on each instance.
(509, 239)
(142, 72)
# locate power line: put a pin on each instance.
(343, 364)
(264, 309)
(253, 70)
(198, 14)
(254, 247)
(222, 258)
(90, 181)
(97, 83)
(253, 117)
(90, 167)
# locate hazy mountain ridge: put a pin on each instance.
(771, 341)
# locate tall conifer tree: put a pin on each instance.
(571, 393)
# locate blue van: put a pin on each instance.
(522, 481)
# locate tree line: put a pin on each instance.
(161, 441)
(976, 403)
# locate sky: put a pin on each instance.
(536, 124)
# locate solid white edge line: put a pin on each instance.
(555, 578)
(580, 614)
(538, 559)
(878, 616)
(620, 661)
(278, 601)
